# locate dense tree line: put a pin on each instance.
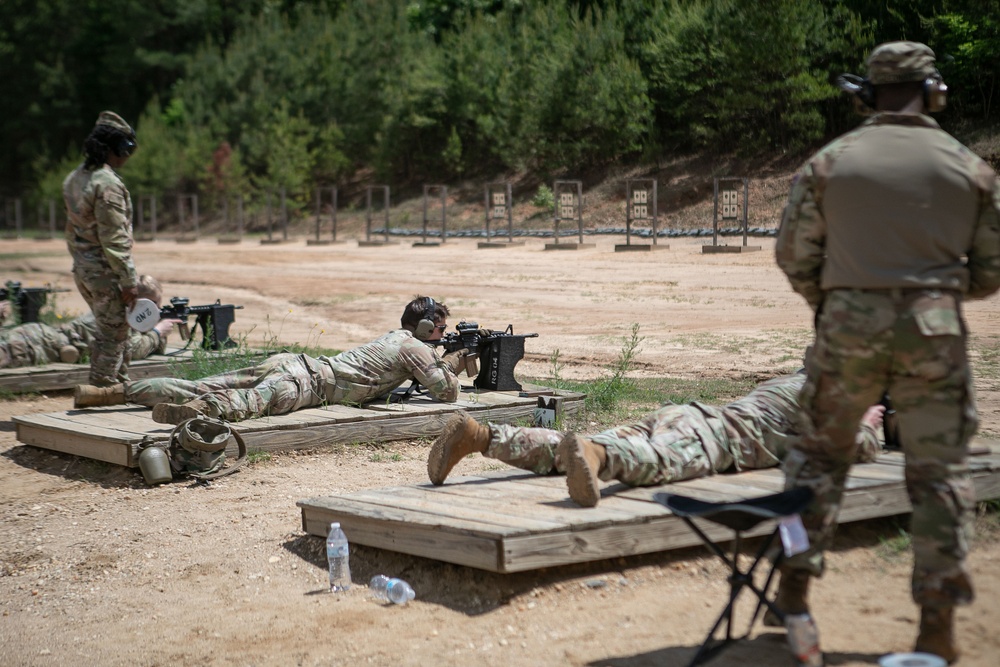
(230, 96)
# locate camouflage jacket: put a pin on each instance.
(99, 225)
(895, 203)
(376, 368)
(761, 427)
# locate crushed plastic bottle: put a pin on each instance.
(338, 554)
(390, 589)
(803, 640)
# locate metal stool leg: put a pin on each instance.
(738, 580)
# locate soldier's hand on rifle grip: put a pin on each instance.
(455, 361)
(164, 327)
(129, 296)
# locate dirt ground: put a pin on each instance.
(98, 569)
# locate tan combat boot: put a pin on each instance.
(462, 435)
(792, 598)
(583, 460)
(937, 632)
(89, 396)
(173, 413)
(68, 354)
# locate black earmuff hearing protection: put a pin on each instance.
(425, 327)
(935, 93)
(125, 146)
(859, 87)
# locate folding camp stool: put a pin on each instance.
(739, 516)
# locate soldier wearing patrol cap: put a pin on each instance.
(99, 236)
(886, 230)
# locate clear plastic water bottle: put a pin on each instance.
(803, 640)
(338, 554)
(391, 589)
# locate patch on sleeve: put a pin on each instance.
(114, 198)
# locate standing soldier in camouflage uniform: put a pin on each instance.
(886, 230)
(674, 443)
(99, 236)
(35, 343)
(287, 382)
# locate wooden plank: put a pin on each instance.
(348, 505)
(421, 407)
(93, 448)
(444, 507)
(551, 493)
(342, 413)
(514, 502)
(130, 423)
(397, 534)
(668, 532)
(59, 422)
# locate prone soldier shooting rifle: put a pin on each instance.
(213, 319)
(27, 302)
(499, 352)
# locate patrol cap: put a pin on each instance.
(898, 62)
(114, 120)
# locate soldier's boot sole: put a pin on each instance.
(462, 435)
(583, 460)
(89, 396)
(792, 598)
(172, 413)
(937, 633)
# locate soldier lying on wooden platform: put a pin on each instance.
(673, 443)
(286, 382)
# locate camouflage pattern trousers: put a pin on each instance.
(662, 447)
(278, 385)
(911, 342)
(109, 351)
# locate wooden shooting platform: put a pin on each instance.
(66, 376)
(513, 520)
(113, 434)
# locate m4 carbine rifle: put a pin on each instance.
(497, 351)
(27, 302)
(213, 320)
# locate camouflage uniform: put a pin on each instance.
(682, 441)
(885, 231)
(34, 344)
(287, 382)
(99, 237)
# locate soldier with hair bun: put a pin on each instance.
(99, 237)
(886, 230)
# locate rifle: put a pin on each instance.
(26, 301)
(890, 426)
(499, 351)
(213, 320)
